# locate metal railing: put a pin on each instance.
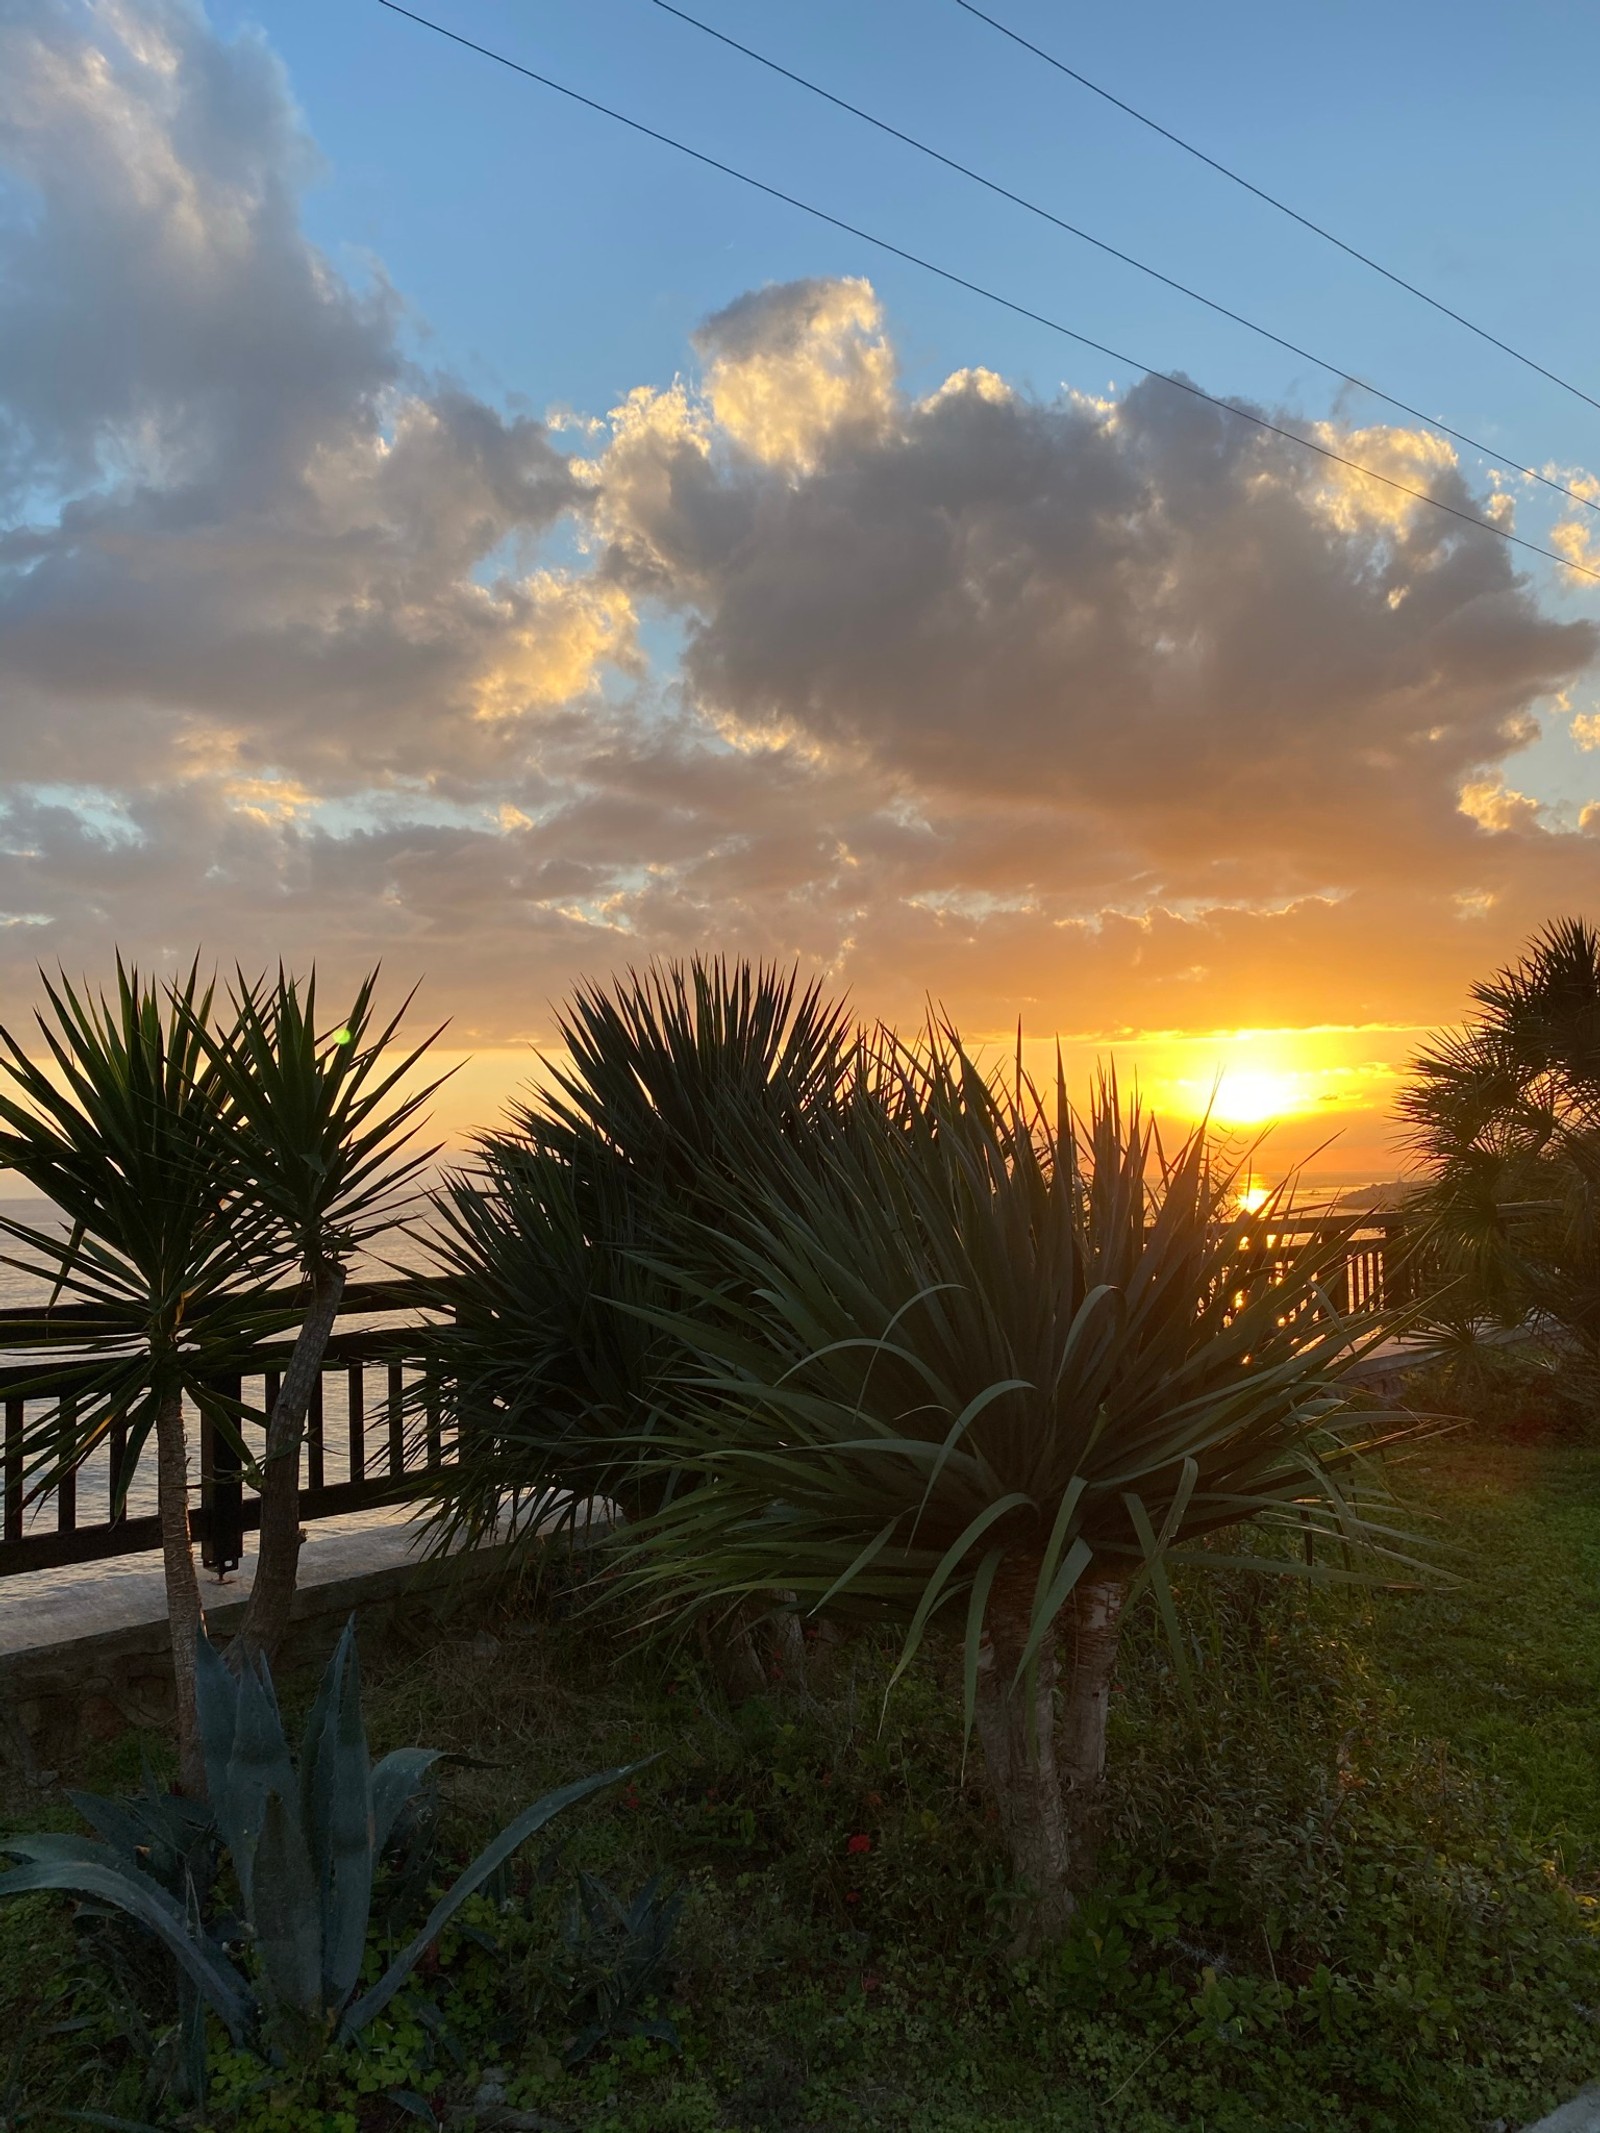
(374, 1436)
(375, 1432)
(1383, 1267)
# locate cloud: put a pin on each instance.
(1123, 713)
(1221, 659)
(247, 522)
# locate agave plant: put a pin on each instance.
(549, 1243)
(304, 1843)
(977, 1375)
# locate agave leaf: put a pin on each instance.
(527, 1824)
(149, 1905)
(217, 1702)
(257, 1770)
(43, 1844)
(286, 1911)
(396, 1781)
(163, 1825)
(340, 1825)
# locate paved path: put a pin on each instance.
(1581, 2115)
(40, 1608)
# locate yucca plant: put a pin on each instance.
(548, 1243)
(980, 1373)
(125, 1126)
(548, 1381)
(321, 1122)
(304, 1844)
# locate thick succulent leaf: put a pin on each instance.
(396, 1781)
(41, 1844)
(526, 1825)
(286, 1911)
(162, 1825)
(149, 1905)
(336, 1774)
(217, 1700)
(258, 1770)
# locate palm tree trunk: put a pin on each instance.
(1044, 1743)
(1016, 1729)
(267, 1611)
(1091, 1635)
(185, 1616)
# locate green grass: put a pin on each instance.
(1507, 1667)
(1348, 1894)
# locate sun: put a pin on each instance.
(1253, 1095)
(1256, 1196)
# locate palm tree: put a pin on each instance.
(549, 1244)
(1504, 1115)
(982, 1371)
(321, 1123)
(125, 1126)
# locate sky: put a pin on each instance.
(439, 525)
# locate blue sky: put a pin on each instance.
(556, 255)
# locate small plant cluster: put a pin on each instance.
(272, 1901)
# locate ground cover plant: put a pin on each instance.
(1367, 1908)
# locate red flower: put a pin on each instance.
(859, 1844)
(852, 1895)
(871, 1982)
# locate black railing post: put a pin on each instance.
(66, 1448)
(431, 1415)
(118, 1481)
(222, 1489)
(1344, 1282)
(397, 1418)
(14, 1419)
(1399, 1276)
(314, 1439)
(355, 1386)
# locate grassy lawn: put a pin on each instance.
(1347, 1890)
(1507, 1668)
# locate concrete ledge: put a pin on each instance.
(1581, 2115)
(86, 1654)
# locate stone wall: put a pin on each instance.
(56, 1700)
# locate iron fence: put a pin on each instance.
(374, 1435)
(375, 1430)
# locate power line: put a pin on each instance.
(993, 296)
(1272, 200)
(1100, 244)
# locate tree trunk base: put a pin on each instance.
(185, 1614)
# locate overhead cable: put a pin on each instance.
(1045, 214)
(993, 296)
(1272, 200)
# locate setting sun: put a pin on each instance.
(1256, 1096)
